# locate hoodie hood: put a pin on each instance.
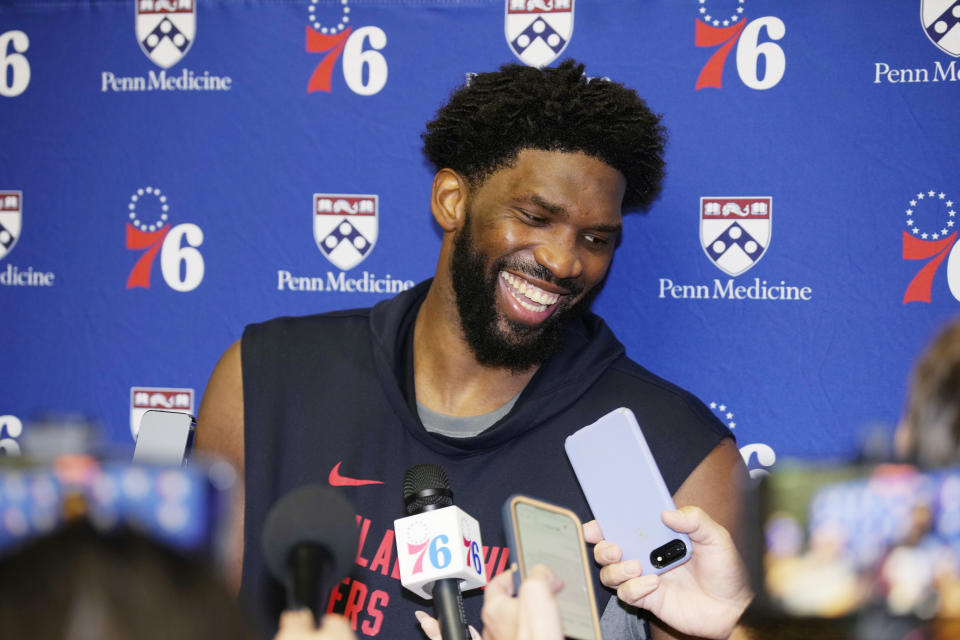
(589, 349)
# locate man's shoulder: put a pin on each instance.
(659, 394)
(304, 336)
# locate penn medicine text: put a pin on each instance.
(369, 283)
(187, 80)
(759, 290)
(939, 73)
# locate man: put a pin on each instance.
(484, 369)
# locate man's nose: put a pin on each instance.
(560, 256)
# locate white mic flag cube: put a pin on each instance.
(443, 543)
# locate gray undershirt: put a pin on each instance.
(462, 426)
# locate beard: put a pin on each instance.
(494, 339)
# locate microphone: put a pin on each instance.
(309, 539)
(438, 547)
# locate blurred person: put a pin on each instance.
(79, 583)
(929, 432)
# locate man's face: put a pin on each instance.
(537, 240)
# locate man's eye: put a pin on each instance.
(596, 240)
(532, 219)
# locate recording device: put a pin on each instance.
(309, 541)
(164, 437)
(438, 547)
(539, 532)
(625, 491)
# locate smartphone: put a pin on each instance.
(164, 437)
(625, 491)
(539, 532)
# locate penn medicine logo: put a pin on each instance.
(166, 29)
(941, 23)
(10, 220)
(143, 399)
(538, 30)
(11, 225)
(735, 231)
(345, 227)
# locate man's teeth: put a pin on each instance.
(530, 297)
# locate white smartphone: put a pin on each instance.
(626, 492)
(164, 437)
(539, 532)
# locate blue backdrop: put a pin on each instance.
(171, 170)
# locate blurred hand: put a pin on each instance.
(703, 597)
(298, 625)
(533, 615)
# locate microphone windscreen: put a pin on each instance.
(312, 514)
(426, 486)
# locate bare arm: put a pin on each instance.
(220, 431)
(714, 486)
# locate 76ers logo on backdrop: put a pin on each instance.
(931, 236)
(758, 456)
(149, 231)
(941, 23)
(11, 203)
(166, 29)
(722, 23)
(538, 30)
(735, 231)
(364, 69)
(345, 227)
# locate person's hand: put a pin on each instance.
(298, 625)
(703, 597)
(533, 615)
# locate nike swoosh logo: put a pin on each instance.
(337, 480)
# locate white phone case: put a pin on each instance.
(625, 491)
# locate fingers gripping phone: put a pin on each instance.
(626, 492)
(542, 533)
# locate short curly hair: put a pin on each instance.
(489, 120)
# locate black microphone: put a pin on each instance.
(425, 488)
(309, 540)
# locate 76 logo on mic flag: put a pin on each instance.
(443, 543)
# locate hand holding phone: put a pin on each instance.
(541, 533)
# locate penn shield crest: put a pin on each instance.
(143, 399)
(941, 23)
(735, 231)
(166, 29)
(345, 227)
(11, 220)
(538, 30)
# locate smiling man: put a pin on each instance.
(486, 368)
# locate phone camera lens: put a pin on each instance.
(668, 554)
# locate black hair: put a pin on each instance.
(494, 116)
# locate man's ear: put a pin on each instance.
(448, 200)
